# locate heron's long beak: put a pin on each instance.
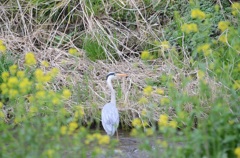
(121, 75)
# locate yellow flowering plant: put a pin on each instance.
(235, 8)
(3, 48)
(237, 152)
(38, 108)
(189, 28)
(197, 13)
(17, 84)
(211, 53)
(223, 25)
(145, 55)
(30, 59)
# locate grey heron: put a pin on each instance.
(110, 115)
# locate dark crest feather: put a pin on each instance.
(109, 74)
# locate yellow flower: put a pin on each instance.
(231, 122)
(30, 59)
(200, 74)
(144, 112)
(72, 127)
(73, 51)
(164, 101)
(13, 69)
(50, 153)
(47, 78)
(143, 100)
(5, 76)
(149, 131)
(66, 93)
(12, 82)
(97, 135)
(76, 115)
(20, 74)
(236, 85)
(89, 138)
(13, 93)
(136, 122)
(39, 75)
(56, 100)
(40, 94)
(2, 115)
(1, 105)
(235, 8)
(87, 142)
(145, 123)
(237, 152)
(223, 25)
(54, 72)
(147, 90)
(193, 27)
(173, 124)
(163, 120)
(223, 38)
(188, 28)
(79, 111)
(3, 48)
(4, 88)
(63, 130)
(17, 120)
(164, 144)
(33, 109)
(145, 55)
(205, 48)
(39, 86)
(134, 132)
(198, 14)
(160, 91)
(165, 45)
(104, 140)
(45, 63)
(25, 85)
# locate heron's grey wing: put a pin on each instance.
(110, 118)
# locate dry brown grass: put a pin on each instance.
(21, 32)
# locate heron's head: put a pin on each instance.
(113, 75)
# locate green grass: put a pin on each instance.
(94, 51)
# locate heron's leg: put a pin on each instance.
(117, 134)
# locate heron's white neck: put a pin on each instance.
(113, 96)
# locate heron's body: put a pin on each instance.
(110, 115)
(110, 120)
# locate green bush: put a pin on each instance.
(210, 125)
(94, 51)
(34, 121)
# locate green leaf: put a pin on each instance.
(229, 138)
